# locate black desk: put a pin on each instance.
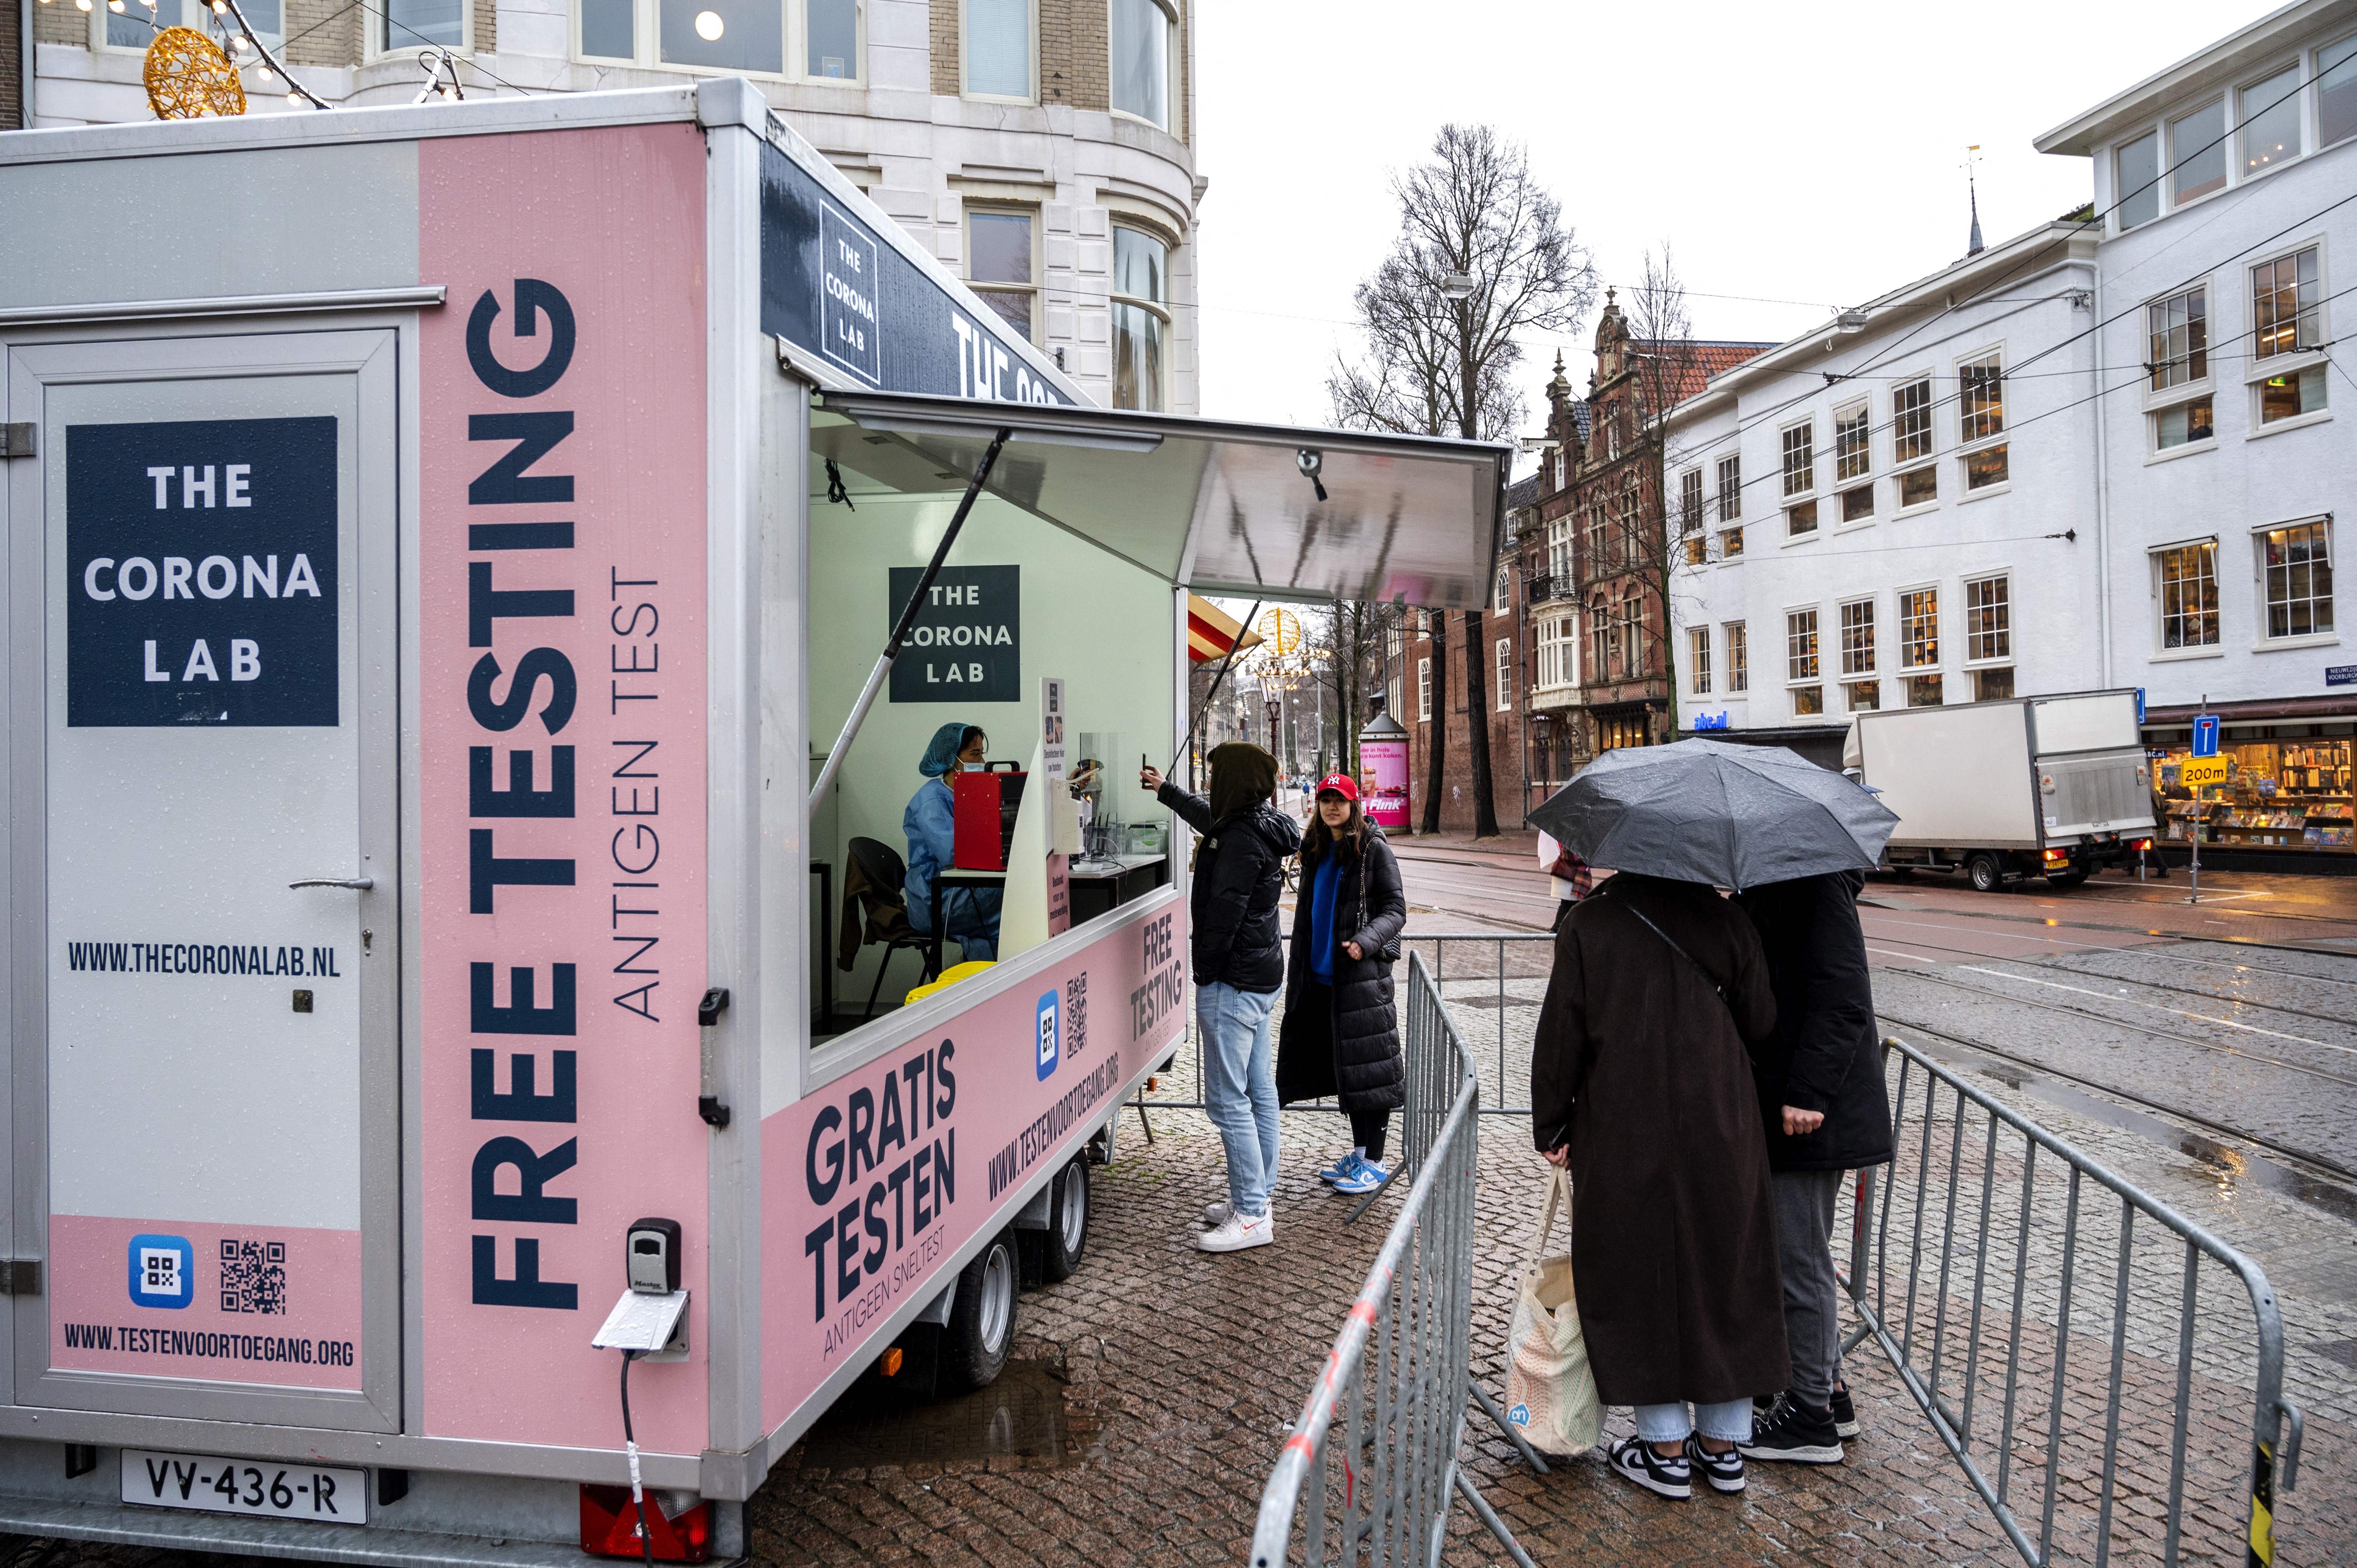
(1099, 886)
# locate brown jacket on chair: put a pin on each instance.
(1640, 1067)
(871, 914)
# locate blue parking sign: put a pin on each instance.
(2205, 734)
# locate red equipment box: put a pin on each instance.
(982, 819)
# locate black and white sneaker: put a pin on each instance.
(1794, 1433)
(1845, 1413)
(1634, 1458)
(1723, 1471)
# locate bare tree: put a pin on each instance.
(1668, 367)
(1353, 637)
(1483, 258)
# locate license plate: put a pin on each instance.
(207, 1483)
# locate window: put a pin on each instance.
(1801, 646)
(2290, 394)
(1392, 696)
(1141, 266)
(2197, 153)
(416, 24)
(1558, 461)
(723, 35)
(1858, 503)
(1558, 652)
(2139, 181)
(998, 51)
(1808, 700)
(1911, 421)
(1690, 500)
(1424, 688)
(1141, 60)
(134, 27)
(1989, 619)
(1730, 543)
(1505, 698)
(1801, 520)
(2298, 568)
(2271, 121)
(1603, 637)
(1697, 550)
(2178, 426)
(998, 249)
(1919, 628)
(1992, 685)
(1800, 459)
(1984, 467)
(1865, 696)
(2179, 329)
(1698, 657)
(1853, 457)
(2188, 578)
(1611, 435)
(1739, 657)
(1923, 691)
(1559, 552)
(1918, 487)
(1857, 638)
(2336, 91)
(1980, 399)
(1730, 489)
(814, 38)
(2285, 314)
(831, 39)
(1502, 595)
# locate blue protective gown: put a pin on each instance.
(969, 915)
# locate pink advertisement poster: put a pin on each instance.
(562, 703)
(1383, 781)
(871, 1183)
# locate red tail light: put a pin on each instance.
(610, 1527)
(2141, 843)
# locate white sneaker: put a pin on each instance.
(1237, 1232)
(1216, 1214)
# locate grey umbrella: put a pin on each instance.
(1703, 810)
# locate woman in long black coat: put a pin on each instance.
(1340, 1035)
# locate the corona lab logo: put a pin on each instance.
(1050, 1033)
(163, 1271)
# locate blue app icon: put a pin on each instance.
(163, 1271)
(1050, 1035)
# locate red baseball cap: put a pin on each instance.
(1341, 784)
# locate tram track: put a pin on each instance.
(2058, 965)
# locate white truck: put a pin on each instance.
(2053, 787)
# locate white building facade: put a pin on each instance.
(1043, 149)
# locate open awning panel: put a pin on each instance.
(1221, 508)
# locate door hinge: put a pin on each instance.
(16, 440)
(20, 1276)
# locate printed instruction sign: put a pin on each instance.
(967, 644)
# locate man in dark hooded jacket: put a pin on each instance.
(1238, 962)
(1825, 1112)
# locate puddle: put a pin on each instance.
(1021, 1415)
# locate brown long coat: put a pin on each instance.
(1643, 1070)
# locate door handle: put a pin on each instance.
(357, 884)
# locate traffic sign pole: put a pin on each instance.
(2205, 744)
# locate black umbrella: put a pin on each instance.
(1703, 810)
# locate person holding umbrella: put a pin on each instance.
(1643, 1086)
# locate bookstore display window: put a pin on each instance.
(2293, 794)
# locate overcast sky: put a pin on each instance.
(1810, 153)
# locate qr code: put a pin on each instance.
(253, 1277)
(1076, 1014)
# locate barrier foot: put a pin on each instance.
(1368, 1202)
(1489, 1516)
(1489, 1409)
(1140, 1103)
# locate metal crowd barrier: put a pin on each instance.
(1372, 1462)
(1986, 1315)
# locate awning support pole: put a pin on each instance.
(833, 763)
(1204, 712)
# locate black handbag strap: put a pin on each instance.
(1708, 979)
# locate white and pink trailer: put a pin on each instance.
(438, 679)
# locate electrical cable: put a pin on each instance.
(630, 1446)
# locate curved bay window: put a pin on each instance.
(1141, 318)
(1141, 83)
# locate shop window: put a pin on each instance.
(997, 54)
(1918, 487)
(2297, 564)
(1739, 657)
(443, 24)
(2291, 394)
(1002, 265)
(2336, 91)
(1858, 503)
(1505, 688)
(1698, 658)
(1919, 628)
(1985, 468)
(1911, 421)
(2197, 150)
(1808, 700)
(1865, 696)
(1800, 521)
(1801, 646)
(1853, 444)
(2188, 583)
(1730, 489)
(1800, 459)
(1424, 688)
(2185, 424)
(1857, 638)
(1988, 618)
(1992, 685)
(2137, 166)
(2276, 796)
(2178, 328)
(1730, 543)
(2271, 121)
(1141, 318)
(1141, 32)
(1923, 691)
(2286, 313)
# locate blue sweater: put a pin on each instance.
(1322, 885)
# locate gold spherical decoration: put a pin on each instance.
(188, 78)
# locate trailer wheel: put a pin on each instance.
(1067, 1236)
(981, 1329)
(1985, 874)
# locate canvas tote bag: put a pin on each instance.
(1550, 1392)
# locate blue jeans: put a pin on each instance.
(1729, 1422)
(1240, 1088)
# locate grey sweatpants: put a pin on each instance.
(1804, 1229)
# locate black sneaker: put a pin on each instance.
(1634, 1458)
(1845, 1414)
(1723, 1471)
(1795, 1434)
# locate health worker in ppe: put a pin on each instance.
(969, 915)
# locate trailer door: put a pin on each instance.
(205, 876)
